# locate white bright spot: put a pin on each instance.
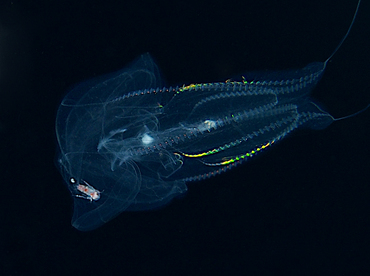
(147, 139)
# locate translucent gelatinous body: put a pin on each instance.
(137, 145)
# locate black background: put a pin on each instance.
(302, 208)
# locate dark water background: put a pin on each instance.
(302, 208)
